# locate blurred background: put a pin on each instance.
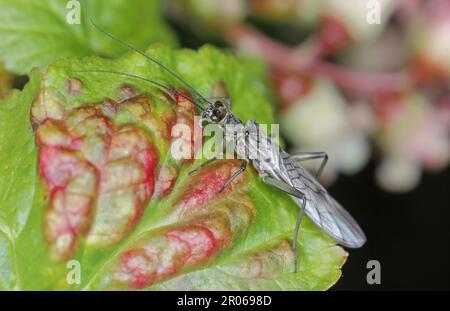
(367, 81)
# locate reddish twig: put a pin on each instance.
(281, 57)
(361, 82)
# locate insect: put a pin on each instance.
(252, 145)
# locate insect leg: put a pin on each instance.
(281, 185)
(206, 163)
(219, 155)
(297, 228)
(294, 192)
(235, 175)
(304, 156)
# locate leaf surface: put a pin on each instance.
(93, 180)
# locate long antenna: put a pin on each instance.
(165, 87)
(173, 74)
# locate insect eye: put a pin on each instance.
(216, 111)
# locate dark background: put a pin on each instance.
(407, 233)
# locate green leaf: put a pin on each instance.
(36, 33)
(6, 81)
(18, 175)
(95, 134)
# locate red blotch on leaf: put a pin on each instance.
(205, 186)
(200, 240)
(137, 268)
(88, 164)
(168, 254)
(184, 116)
(166, 179)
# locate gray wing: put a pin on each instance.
(320, 206)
